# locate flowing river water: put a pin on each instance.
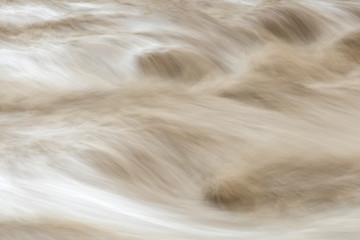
(179, 119)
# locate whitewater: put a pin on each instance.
(179, 119)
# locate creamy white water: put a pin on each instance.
(179, 119)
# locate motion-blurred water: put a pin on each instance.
(179, 119)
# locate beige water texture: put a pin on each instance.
(183, 119)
